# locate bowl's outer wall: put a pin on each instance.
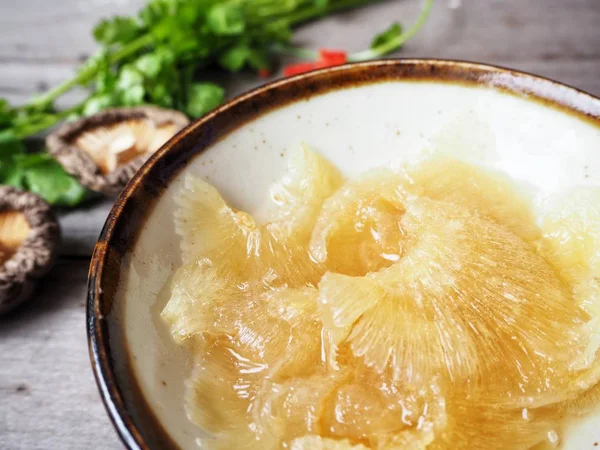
(123, 333)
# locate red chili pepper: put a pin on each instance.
(335, 57)
(327, 58)
(298, 68)
(264, 73)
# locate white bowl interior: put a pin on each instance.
(357, 128)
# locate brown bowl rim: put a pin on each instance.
(116, 238)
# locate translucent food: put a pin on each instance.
(372, 409)
(313, 442)
(490, 195)
(571, 229)
(421, 308)
(468, 309)
(479, 426)
(358, 229)
(247, 253)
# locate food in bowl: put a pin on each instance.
(427, 306)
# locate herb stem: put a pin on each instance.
(394, 44)
(299, 52)
(88, 73)
(312, 12)
(48, 121)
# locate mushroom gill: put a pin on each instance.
(115, 145)
(103, 151)
(14, 228)
(29, 244)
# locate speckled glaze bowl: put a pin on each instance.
(359, 116)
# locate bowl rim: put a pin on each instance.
(116, 238)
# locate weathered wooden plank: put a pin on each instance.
(81, 227)
(555, 38)
(48, 397)
(40, 30)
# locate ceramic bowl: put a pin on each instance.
(540, 132)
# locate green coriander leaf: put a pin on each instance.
(180, 38)
(278, 32)
(25, 117)
(166, 55)
(149, 65)
(235, 58)
(27, 160)
(189, 12)
(259, 59)
(156, 10)
(106, 78)
(10, 144)
(160, 95)
(12, 175)
(393, 32)
(98, 64)
(133, 96)
(97, 103)
(6, 113)
(129, 77)
(117, 29)
(4, 105)
(165, 28)
(204, 97)
(46, 178)
(10, 147)
(226, 20)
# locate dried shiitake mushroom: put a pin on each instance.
(29, 239)
(103, 151)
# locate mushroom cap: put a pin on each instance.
(103, 151)
(35, 254)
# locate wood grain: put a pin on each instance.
(48, 399)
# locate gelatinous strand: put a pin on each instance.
(358, 228)
(571, 241)
(274, 338)
(489, 194)
(587, 401)
(369, 408)
(295, 407)
(468, 299)
(209, 228)
(357, 231)
(279, 329)
(195, 290)
(473, 426)
(313, 442)
(298, 197)
(245, 253)
(242, 252)
(582, 395)
(221, 389)
(571, 230)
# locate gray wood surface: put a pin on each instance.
(48, 399)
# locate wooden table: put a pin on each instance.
(48, 398)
